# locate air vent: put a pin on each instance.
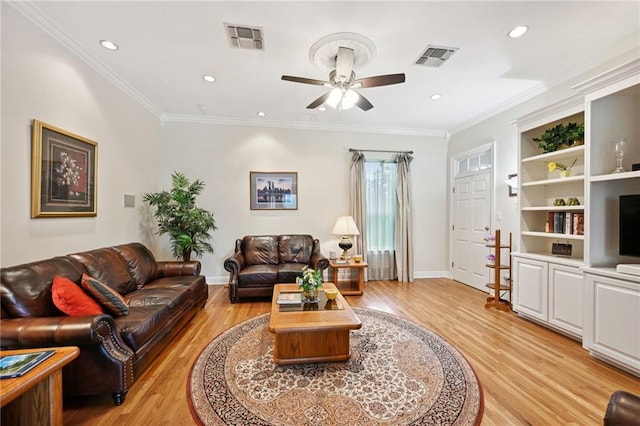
(245, 37)
(435, 56)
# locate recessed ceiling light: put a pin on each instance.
(109, 45)
(322, 108)
(261, 114)
(435, 96)
(518, 31)
(209, 78)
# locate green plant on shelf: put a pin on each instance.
(561, 136)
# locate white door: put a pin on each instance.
(471, 223)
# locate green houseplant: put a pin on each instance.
(560, 136)
(310, 282)
(187, 225)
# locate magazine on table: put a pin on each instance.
(17, 365)
(289, 298)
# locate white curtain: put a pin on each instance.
(404, 220)
(357, 203)
(380, 219)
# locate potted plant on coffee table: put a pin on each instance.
(187, 225)
(310, 282)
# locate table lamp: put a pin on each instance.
(346, 227)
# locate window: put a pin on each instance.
(381, 205)
(474, 163)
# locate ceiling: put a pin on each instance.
(166, 48)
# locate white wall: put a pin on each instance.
(42, 80)
(222, 156)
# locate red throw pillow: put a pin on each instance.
(105, 295)
(70, 299)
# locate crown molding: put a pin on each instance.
(610, 77)
(185, 118)
(34, 14)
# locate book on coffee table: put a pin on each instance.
(289, 298)
(17, 365)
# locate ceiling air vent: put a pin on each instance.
(434, 56)
(245, 37)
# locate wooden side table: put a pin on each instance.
(355, 285)
(36, 397)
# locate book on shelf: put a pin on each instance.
(17, 365)
(289, 298)
(565, 223)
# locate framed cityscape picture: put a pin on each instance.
(274, 190)
(63, 173)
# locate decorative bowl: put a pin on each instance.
(331, 293)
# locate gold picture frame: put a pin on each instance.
(63, 173)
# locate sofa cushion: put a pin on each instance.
(72, 300)
(141, 262)
(258, 275)
(288, 272)
(25, 290)
(143, 324)
(260, 250)
(295, 248)
(173, 291)
(106, 265)
(105, 296)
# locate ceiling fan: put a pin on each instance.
(342, 80)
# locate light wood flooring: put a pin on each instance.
(530, 375)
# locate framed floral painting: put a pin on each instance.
(63, 173)
(274, 190)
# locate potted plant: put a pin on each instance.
(561, 136)
(310, 282)
(491, 259)
(187, 225)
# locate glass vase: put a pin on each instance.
(619, 149)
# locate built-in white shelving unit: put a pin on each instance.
(582, 295)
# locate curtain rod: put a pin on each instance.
(379, 150)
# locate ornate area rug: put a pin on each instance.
(399, 374)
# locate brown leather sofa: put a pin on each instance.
(623, 409)
(261, 261)
(114, 351)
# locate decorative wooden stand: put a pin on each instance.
(496, 301)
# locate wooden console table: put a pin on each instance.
(36, 397)
(355, 285)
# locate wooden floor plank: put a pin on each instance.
(530, 375)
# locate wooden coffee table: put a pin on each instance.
(311, 336)
(36, 397)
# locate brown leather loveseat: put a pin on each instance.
(261, 261)
(161, 296)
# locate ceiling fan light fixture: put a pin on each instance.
(335, 96)
(349, 99)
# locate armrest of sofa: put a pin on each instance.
(43, 332)
(318, 261)
(176, 268)
(234, 264)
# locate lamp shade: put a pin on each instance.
(345, 226)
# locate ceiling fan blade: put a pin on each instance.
(344, 64)
(322, 99)
(305, 80)
(379, 80)
(363, 103)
